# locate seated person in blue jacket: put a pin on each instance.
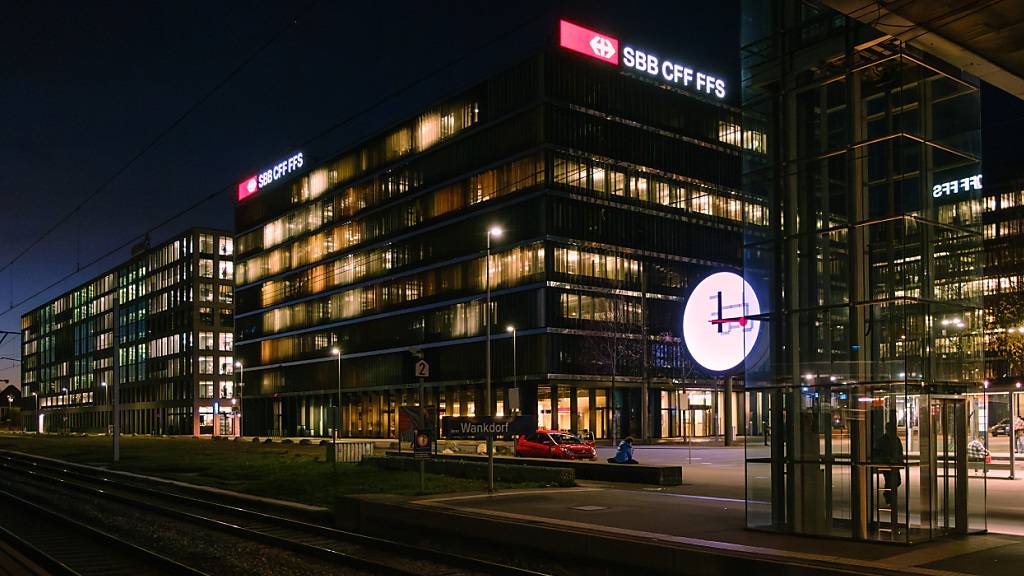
(624, 455)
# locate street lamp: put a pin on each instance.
(495, 232)
(515, 367)
(10, 402)
(241, 391)
(36, 394)
(337, 415)
(67, 403)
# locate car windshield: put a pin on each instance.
(560, 438)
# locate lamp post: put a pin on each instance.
(241, 391)
(496, 232)
(36, 394)
(67, 402)
(106, 392)
(337, 412)
(515, 367)
(10, 403)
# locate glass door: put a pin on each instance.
(944, 466)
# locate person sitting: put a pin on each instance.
(624, 455)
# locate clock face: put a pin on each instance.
(717, 328)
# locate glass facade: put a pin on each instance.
(616, 195)
(165, 343)
(869, 274)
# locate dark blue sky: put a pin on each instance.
(87, 85)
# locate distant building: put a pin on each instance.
(173, 324)
(617, 191)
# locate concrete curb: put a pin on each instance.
(646, 553)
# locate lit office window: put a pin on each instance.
(225, 340)
(206, 340)
(226, 246)
(205, 268)
(206, 243)
(206, 364)
(226, 270)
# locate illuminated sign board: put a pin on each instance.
(584, 41)
(717, 326)
(956, 186)
(254, 184)
(606, 48)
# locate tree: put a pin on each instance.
(1005, 326)
(611, 345)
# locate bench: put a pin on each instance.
(588, 470)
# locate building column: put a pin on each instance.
(730, 435)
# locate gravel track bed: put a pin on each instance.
(206, 550)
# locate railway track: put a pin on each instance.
(62, 545)
(353, 550)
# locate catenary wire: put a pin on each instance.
(161, 135)
(344, 121)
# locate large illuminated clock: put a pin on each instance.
(717, 326)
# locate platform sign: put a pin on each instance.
(422, 369)
(482, 427)
(421, 444)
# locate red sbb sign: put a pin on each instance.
(606, 49)
(585, 41)
(247, 188)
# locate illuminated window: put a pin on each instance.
(226, 246)
(205, 268)
(206, 389)
(226, 270)
(205, 292)
(206, 364)
(225, 340)
(206, 341)
(206, 244)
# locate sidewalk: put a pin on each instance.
(717, 524)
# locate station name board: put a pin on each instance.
(264, 178)
(606, 48)
(956, 186)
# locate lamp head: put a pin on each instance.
(335, 351)
(495, 231)
(510, 328)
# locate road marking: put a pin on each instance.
(589, 508)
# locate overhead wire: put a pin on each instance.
(160, 136)
(492, 40)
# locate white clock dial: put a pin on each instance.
(717, 327)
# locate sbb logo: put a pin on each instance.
(585, 41)
(247, 188)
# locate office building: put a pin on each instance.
(168, 313)
(615, 190)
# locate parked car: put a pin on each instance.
(554, 444)
(1001, 428)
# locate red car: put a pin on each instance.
(554, 444)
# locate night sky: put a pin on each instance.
(87, 86)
